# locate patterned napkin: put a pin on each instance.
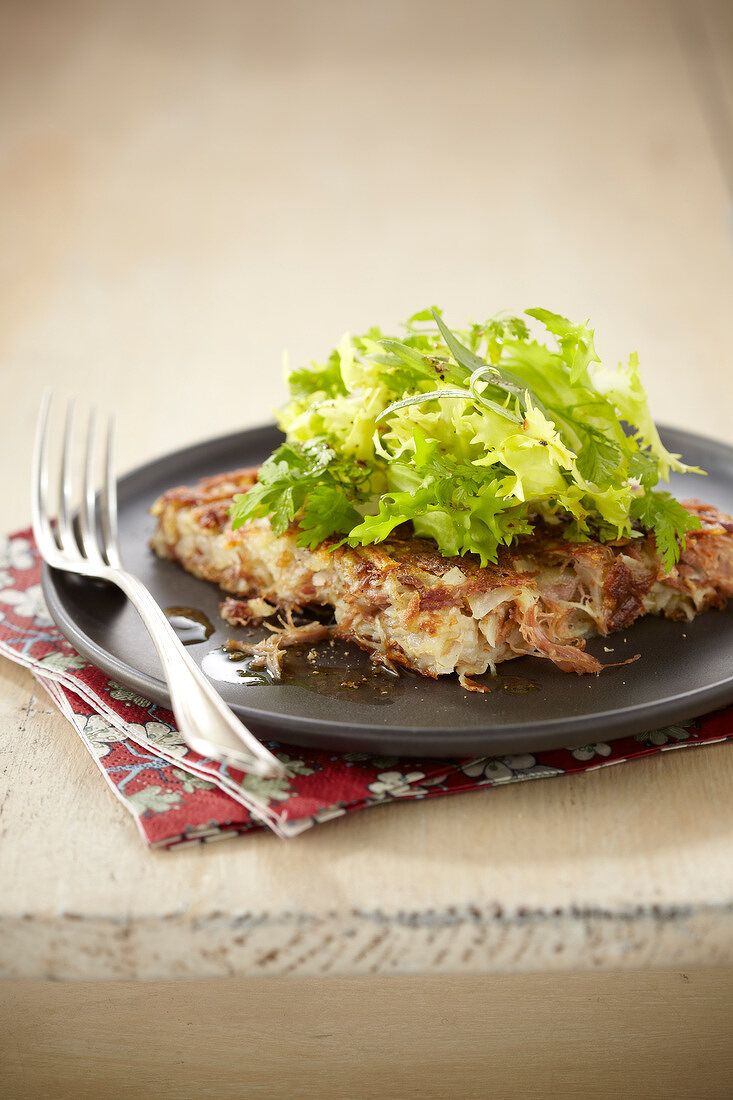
(178, 797)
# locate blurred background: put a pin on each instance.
(187, 189)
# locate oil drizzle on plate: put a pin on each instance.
(190, 624)
(327, 670)
(321, 671)
(516, 685)
(232, 668)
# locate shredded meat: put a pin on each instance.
(246, 612)
(568, 657)
(407, 605)
(268, 653)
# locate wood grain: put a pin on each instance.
(188, 193)
(650, 1035)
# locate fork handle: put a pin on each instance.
(206, 723)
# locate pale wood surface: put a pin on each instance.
(184, 195)
(654, 1035)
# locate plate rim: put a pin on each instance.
(617, 722)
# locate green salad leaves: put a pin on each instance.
(469, 436)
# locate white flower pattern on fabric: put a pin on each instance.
(492, 770)
(100, 735)
(62, 662)
(587, 752)
(124, 695)
(16, 554)
(665, 736)
(28, 604)
(191, 782)
(293, 766)
(267, 790)
(159, 736)
(396, 785)
(152, 800)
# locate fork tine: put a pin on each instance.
(88, 513)
(109, 502)
(65, 530)
(39, 481)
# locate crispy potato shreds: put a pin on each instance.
(246, 612)
(406, 604)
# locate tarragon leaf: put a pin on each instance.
(493, 373)
(454, 395)
(462, 355)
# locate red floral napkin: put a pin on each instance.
(178, 797)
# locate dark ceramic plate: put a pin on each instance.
(684, 670)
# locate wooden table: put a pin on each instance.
(187, 190)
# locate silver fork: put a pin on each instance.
(204, 720)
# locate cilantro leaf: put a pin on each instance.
(327, 510)
(644, 466)
(661, 514)
(306, 484)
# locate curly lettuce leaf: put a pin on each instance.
(468, 436)
(576, 341)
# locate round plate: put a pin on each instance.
(684, 670)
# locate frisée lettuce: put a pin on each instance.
(470, 436)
